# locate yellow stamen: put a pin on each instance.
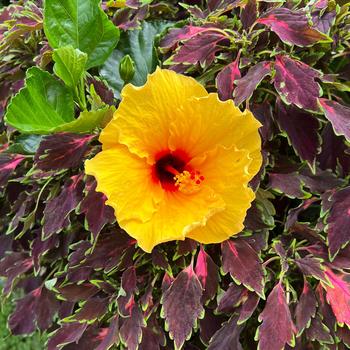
(189, 182)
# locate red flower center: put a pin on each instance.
(169, 164)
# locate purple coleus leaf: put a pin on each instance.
(292, 27)
(68, 333)
(97, 213)
(225, 79)
(131, 330)
(338, 295)
(36, 308)
(61, 151)
(201, 48)
(277, 328)
(231, 298)
(57, 210)
(323, 21)
(227, 337)
(338, 115)
(93, 309)
(110, 335)
(8, 163)
(246, 86)
(338, 221)
(306, 308)
(13, 266)
(208, 274)
(333, 154)
(181, 317)
(318, 331)
(248, 308)
(301, 128)
(295, 82)
(243, 264)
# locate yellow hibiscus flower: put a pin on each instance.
(176, 162)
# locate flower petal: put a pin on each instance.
(177, 214)
(226, 223)
(145, 112)
(127, 182)
(203, 123)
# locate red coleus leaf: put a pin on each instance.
(306, 307)
(36, 308)
(292, 27)
(301, 128)
(338, 115)
(338, 221)
(243, 264)
(225, 79)
(8, 163)
(338, 295)
(97, 213)
(295, 82)
(227, 337)
(181, 317)
(208, 274)
(201, 48)
(57, 210)
(75, 292)
(247, 85)
(277, 328)
(68, 333)
(176, 35)
(61, 151)
(224, 5)
(131, 330)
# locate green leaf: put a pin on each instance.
(83, 25)
(25, 144)
(42, 105)
(69, 64)
(139, 45)
(88, 121)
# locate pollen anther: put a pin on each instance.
(189, 181)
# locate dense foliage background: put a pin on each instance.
(283, 282)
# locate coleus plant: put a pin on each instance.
(281, 283)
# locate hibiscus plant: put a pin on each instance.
(175, 175)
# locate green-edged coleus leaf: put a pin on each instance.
(83, 25)
(139, 45)
(296, 83)
(277, 328)
(301, 129)
(292, 27)
(181, 316)
(338, 295)
(42, 105)
(61, 151)
(69, 64)
(338, 115)
(338, 221)
(40, 306)
(227, 337)
(243, 263)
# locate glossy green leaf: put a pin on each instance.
(25, 144)
(82, 24)
(42, 105)
(88, 121)
(139, 45)
(69, 64)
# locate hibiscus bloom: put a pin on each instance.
(176, 162)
